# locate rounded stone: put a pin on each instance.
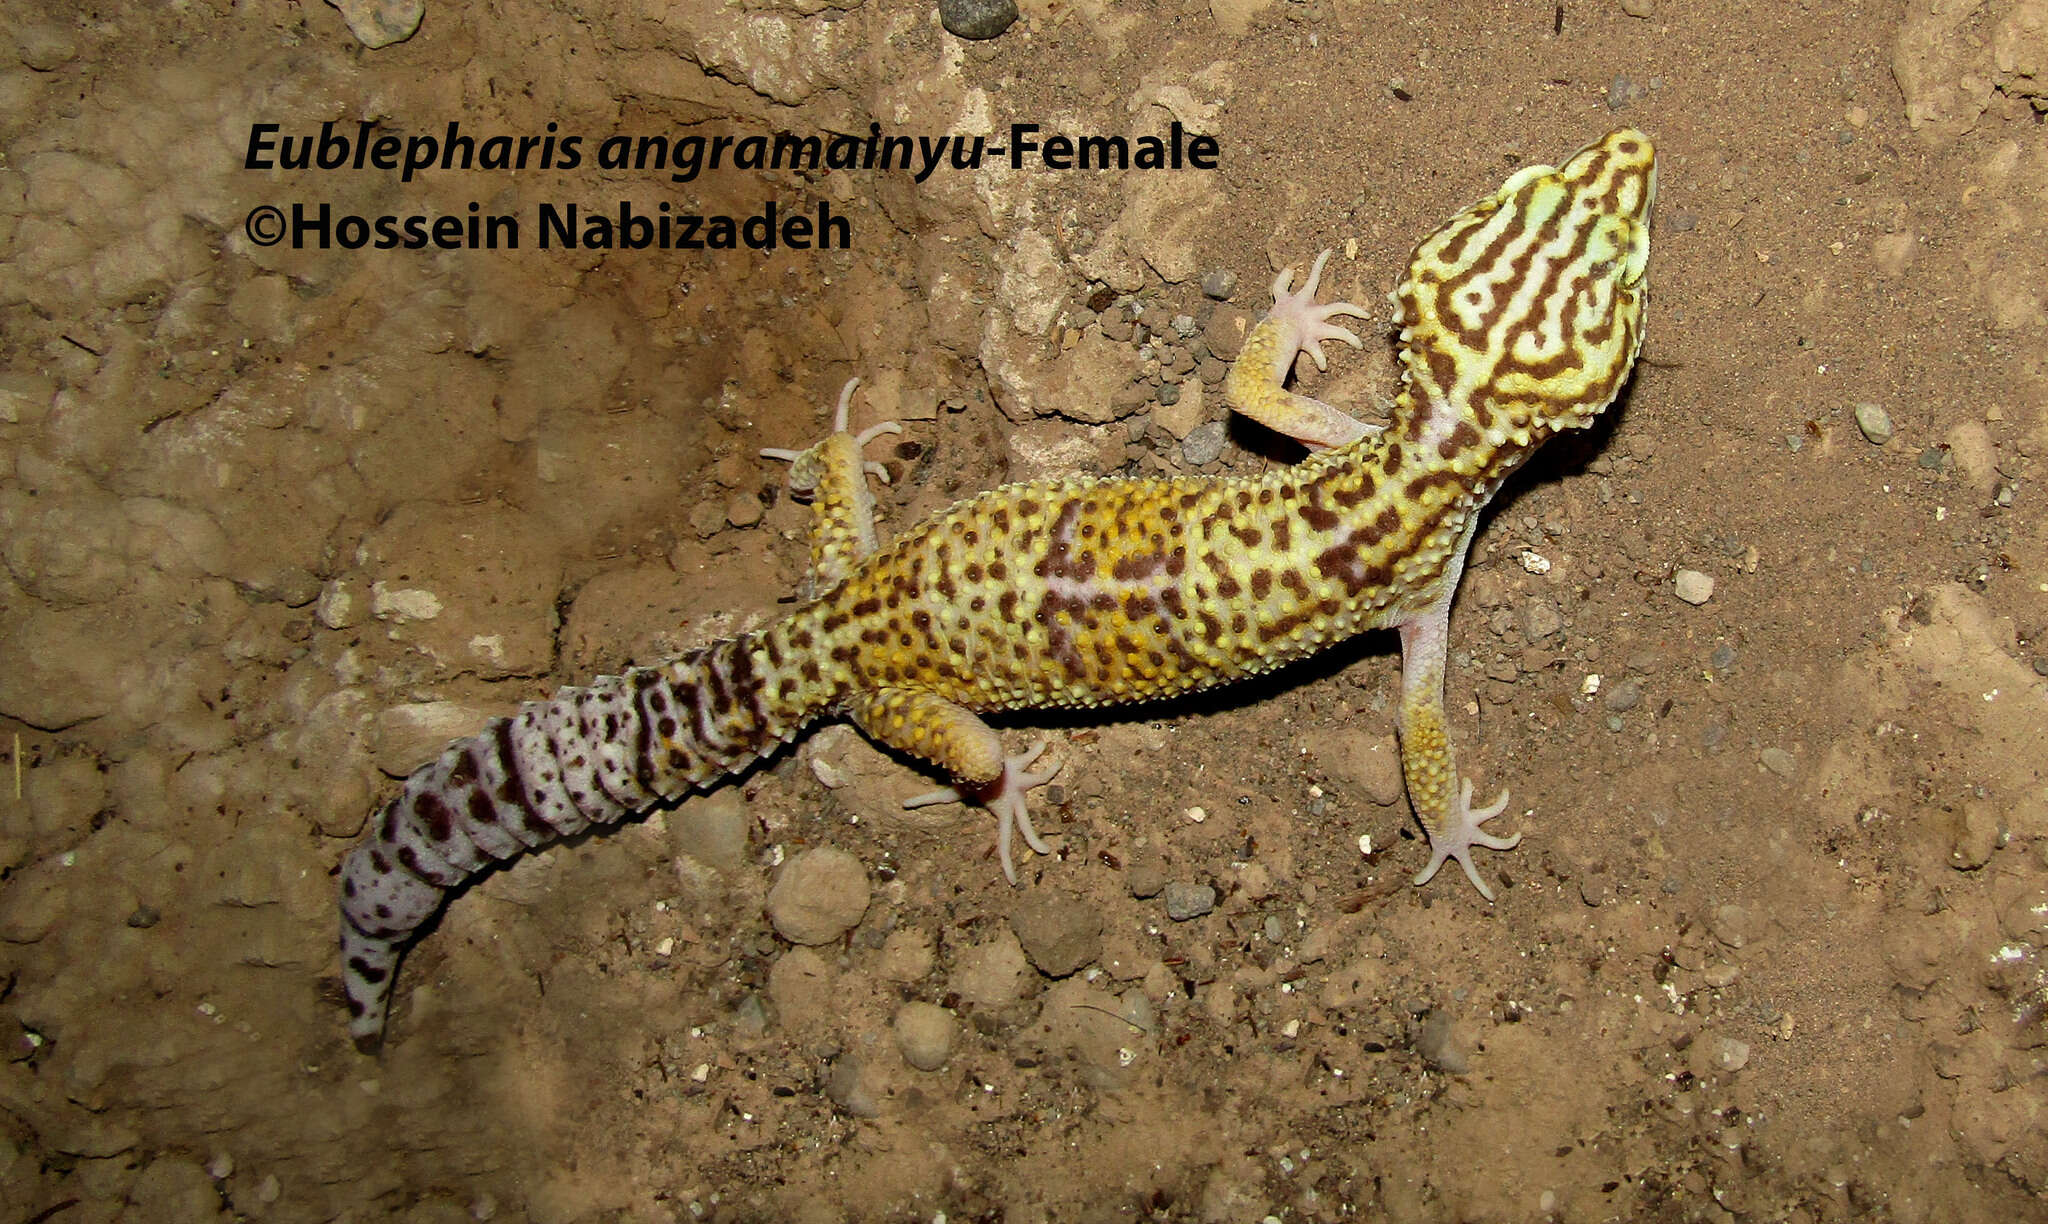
(820, 896)
(1060, 932)
(977, 19)
(925, 1032)
(1185, 901)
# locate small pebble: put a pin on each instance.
(1625, 696)
(1778, 761)
(1875, 423)
(1145, 874)
(1624, 93)
(906, 955)
(1185, 901)
(1060, 931)
(1540, 619)
(852, 1089)
(1639, 8)
(1692, 586)
(145, 917)
(925, 1032)
(977, 19)
(1976, 838)
(1733, 926)
(1218, 284)
(380, 23)
(1204, 444)
(1934, 458)
(1437, 1042)
(1723, 657)
(819, 896)
(1715, 1054)
(750, 1017)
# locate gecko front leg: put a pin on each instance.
(1256, 385)
(832, 473)
(1442, 797)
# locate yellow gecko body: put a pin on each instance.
(1520, 317)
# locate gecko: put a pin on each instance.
(1519, 317)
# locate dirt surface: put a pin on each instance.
(278, 521)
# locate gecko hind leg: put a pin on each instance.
(832, 473)
(953, 737)
(1005, 799)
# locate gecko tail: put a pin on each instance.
(585, 759)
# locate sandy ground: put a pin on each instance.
(277, 521)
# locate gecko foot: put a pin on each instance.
(804, 471)
(1305, 322)
(1462, 833)
(1005, 799)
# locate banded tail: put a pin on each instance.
(586, 758)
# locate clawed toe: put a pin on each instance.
(1462, 833)
(803, 477)
(1310, 320)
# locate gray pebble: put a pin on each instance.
(1060, 931)
(145, 917)
(1715, 1054)
(1934, 458)
(1624, 93)
(1437, 1042)
(977, 19)
(1733, 925)
(2041, 665)
(1875, 423)
(1624, 696)
(1218, 284)
(750, 1018)
(1185, 901)
(1540, 618)
(1169, 394)
(1204, 444)
(852, 1089)
(1779, 762)
(1723, 657)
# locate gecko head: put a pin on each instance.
(1522, 315)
